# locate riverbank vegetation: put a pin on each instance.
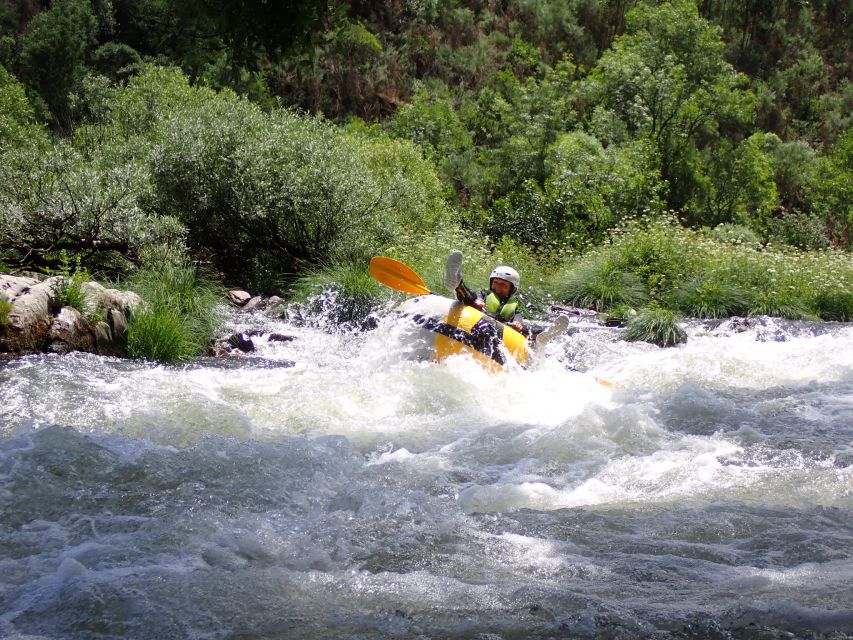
(685, 157)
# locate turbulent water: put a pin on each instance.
(335, 486)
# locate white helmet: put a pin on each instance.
(506, 273)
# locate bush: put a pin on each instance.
(62, 199)
(655, 325)
(71, 293)
(179, 314)
(265, 196)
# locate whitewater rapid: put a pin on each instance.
(337, 486)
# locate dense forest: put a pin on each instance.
(621, 152)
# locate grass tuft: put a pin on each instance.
(601, 283)
(179, 315)
(5, 310)
(344, 294)
(710, 296)
(835, 304)
(656, 325)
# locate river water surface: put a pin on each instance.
(334, 486)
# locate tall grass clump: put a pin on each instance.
(602, 283)
(5, 310)
(179, 314)
(711, 295)
(656, 325)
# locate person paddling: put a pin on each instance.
(500, 303)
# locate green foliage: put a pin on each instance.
(601, 282)
(62, 200)
(711, 295)
(18, 127)
(5, 309)
(179, 315)
(832, 191)
(693, 273)
(835, 304)
(591, 188)
(667, 80)
(281, 190)
(656, 325)
(735, 234)
(53, 52)
(70, 292)
(741, 186)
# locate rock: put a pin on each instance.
(241, 342)
(118, 325)
(103, 337)
(29, 320)
(239, 297)
(35, 323)
(253, 303)
(106, 299)
(278, 337)
(70, 331)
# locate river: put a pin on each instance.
(335, 486)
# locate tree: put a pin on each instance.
(53, 52)
(18, 126)
(667, 79)
(741, 186)
(832, 194)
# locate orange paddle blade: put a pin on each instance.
(393, 273)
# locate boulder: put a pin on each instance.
(29, 320)
(105, 299)
(239, 297)
(37, 323)
(70, 331)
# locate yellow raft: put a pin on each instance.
(459, 329)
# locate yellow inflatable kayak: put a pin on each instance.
(460, 329)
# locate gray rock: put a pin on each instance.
(70, 331)
(254, 303)
(32, 309)
(105, 299)
(239, 297)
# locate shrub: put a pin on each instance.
(71, 293)
(179, 314)
(91, 208)
(266, 195)
(655, 325)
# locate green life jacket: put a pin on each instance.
(504, 312)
